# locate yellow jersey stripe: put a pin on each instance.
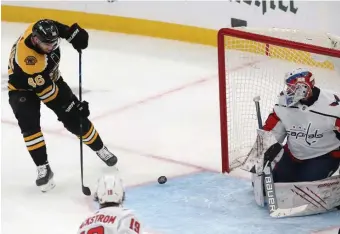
(51, 98)
(36, 146)
(48, 89)
(11, 87)
(92, 140)
(89, 132)
(32, 137)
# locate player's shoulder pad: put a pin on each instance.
(29, 60)
(329, 103)
(331, 97)
(127, 212)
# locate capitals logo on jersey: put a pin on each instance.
(306, 133)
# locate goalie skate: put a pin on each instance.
(45, 178)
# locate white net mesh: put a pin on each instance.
(257, 69)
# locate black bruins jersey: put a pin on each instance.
(31, 71)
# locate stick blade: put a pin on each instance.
(86, 191)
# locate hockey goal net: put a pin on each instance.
(252, 62)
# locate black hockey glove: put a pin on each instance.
(78, 37)
(81, 109)
(272, 152)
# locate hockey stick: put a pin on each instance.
(259, 120)
(86, 190)
(258, 111)
(267, 169)
(273, 150)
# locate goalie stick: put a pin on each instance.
(269, 156)
(258, 111)
(86, 190)
(267, 169)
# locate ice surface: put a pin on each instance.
(155, 104)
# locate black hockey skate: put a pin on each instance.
(45, 178)
(109, 158)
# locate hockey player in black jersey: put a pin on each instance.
(34, 77)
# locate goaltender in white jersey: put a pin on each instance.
(111, 218)
(303, 180)
(312, 127)
(309, 119)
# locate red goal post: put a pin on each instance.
(253, 62)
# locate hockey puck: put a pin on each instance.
(162, 179)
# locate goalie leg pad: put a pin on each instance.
(318, 196)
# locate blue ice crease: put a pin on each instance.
(211, 203)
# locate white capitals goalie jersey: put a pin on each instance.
(111, 220)
(312, 130)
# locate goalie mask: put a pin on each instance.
(298, 86)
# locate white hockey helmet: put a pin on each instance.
(298, 85)
(110, 189)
